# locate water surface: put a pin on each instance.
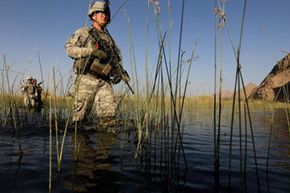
(108, 162)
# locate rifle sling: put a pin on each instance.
(95, 34)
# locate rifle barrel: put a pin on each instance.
(130, 88)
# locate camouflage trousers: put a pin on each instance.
(94, 98)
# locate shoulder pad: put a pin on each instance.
(83, 31)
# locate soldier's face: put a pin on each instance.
(101, 18)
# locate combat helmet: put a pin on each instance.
(102, 6)
(29, 77)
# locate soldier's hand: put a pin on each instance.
(125, 76)
(100, 54)
(116, 79)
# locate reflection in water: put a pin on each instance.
(94, 161)
(276, 124)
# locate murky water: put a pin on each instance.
(108, 162)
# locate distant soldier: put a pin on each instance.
(31, 93)
(38, 92)
(27, 90)
(96, 57)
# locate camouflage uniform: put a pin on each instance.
(93, 95)
(27, 89)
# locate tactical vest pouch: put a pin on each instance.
(30, 89)
(101, 69)
(80, 64)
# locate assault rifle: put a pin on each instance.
(115, 58)
(40, 83)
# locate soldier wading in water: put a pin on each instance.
(98, 66)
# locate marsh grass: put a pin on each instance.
(161, 105)
(13, 114)
(239, 83)
(240, 113)
(202, 104)
(162, 101)
(157, 111)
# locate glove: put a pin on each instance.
(115, 76)
(100, 54)
(125, 76)
(116, 79)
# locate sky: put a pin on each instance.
(36, 30)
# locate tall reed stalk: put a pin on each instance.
(155, 121)
(12, 109)
(238, 88)
(50, 145)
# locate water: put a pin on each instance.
(107, 163)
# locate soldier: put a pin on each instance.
(28, 89)
(32, 93)
(96, 57)
(38, 93)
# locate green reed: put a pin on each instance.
(58, 111)
(60, 104)
(157, 111)
(50, 145)
(9, 112)
(239, 89)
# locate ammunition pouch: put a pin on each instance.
(30, 89)
(115, 76)
(80, 65)
(100, 69)
(116, 79)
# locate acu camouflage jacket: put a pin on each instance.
(81, 43)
